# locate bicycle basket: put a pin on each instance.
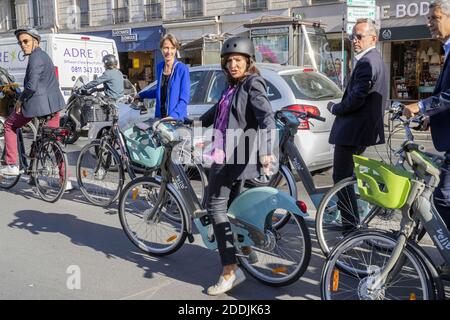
(93, 111)
(141, 147)
(382, 184)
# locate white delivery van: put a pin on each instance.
(73, 55)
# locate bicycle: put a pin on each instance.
(337, 202)
(45, 161)
(379, 265)
(102, 164)
(148, 205)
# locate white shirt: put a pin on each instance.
(362, 54)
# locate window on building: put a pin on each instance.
(120, 12)
(37, 16)
(83, 5)
(22, 15)
(255, 5)
(192, 8)
(153, 9)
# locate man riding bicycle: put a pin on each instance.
(112, 79)
(41, 96)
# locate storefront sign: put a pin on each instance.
(121, 32)
(355, 13)
(404, 10)
(361, 3)
(405, 33)
(129, 38)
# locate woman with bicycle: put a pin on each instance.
(244, 106)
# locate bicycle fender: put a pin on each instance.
(256, 205)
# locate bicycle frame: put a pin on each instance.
(420, 204)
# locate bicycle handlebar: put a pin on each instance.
(304, 115)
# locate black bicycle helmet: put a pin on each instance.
(110, 60)
(28, 30)
(238, 45)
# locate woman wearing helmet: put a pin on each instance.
(244, 106)
(112, 79)
(173, 86)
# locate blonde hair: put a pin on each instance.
(172, 40)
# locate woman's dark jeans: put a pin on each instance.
(222, 189)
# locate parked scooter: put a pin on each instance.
(75, 117)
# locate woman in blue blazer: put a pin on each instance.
(172, 89)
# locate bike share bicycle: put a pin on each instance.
(375, 265)
(102, 164)
(159, 213)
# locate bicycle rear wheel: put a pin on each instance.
(284, 256)
(50, 171)
(100, 173)
(358, 260)
(159, 234)
(331, 226)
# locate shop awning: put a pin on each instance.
(405, 33)
(145, 39)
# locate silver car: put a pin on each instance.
(288, 87)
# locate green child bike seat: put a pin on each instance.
(382, 184)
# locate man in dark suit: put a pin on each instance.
(359, 116)
(439, 118)
(41, 95)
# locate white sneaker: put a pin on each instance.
(225, 285)
(10, 170)
(69, 186)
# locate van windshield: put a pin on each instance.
(312, 86)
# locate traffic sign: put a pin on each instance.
(361, 3)
(355, 13)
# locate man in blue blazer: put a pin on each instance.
(359, 116)
(41, 95)
(439, 119)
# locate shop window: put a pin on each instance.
(416, 66)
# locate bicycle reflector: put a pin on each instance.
(412, 296)
(134, 193)
(279, 270)
(304, 124)
(171, 238)
(302, 206)
(335, 280)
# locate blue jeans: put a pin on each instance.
(442, 192)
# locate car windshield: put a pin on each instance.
(312, 86)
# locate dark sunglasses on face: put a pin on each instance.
(355, 36)
(23, 42)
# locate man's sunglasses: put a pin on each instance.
(351, 37)
(23, 42)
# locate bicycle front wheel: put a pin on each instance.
(340, 203)
(357, 262)
(155, 233)
(100, 173)
(284, 256)
(50, 171)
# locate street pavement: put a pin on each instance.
(46, 246)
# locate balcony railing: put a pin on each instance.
(152, 11)
(120, 15)
(192, 8)
(255, 5)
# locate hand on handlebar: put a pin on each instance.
(411, 110)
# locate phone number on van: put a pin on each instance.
(87, 69)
